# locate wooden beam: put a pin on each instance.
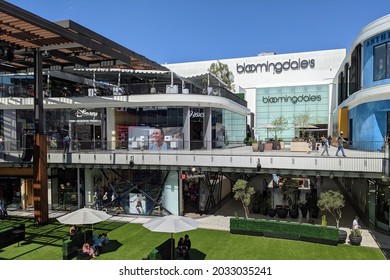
(14, 171)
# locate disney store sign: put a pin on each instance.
(84, 114)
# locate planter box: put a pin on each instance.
(244, 232)
(318, 240)
(299, 147)
(285, 230)
(267, 146)
(281, 235)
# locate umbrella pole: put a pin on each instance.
(171, 246)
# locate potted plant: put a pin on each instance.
(281, 143)
(264, 206)
(271, 212)
(290, 195)
(281, 211)
(261, 145)
(303, 207)
(280, 125)
(333, 201)
(248, 141)
(355, 237)
(293, 211)
(255, 145)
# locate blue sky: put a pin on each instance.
(173, 31)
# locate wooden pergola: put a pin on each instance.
(29, 43)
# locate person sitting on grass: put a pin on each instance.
(72, 231)
(88, 250)
(97, 243)
(187, 245)
(105, 238)
(181, 250)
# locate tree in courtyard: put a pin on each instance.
(281, 124)
(302, 122)
(244, 193)
(221, 70)
(332, 201)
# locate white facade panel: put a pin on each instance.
(279, 76)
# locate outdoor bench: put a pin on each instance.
(12, 234)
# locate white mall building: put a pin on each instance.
(277, 85)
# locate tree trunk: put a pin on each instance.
(246, 212)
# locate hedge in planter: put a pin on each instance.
(285, 230)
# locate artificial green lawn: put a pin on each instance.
(134, 242)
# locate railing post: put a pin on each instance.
(387, 159)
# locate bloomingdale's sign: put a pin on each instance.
(292, 99)
(275, 67)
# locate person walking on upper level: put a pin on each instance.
(66, 142)
(326, 145)
(340, 144)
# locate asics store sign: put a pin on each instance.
(275, 67)
(292, 99)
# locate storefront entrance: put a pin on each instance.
(202, 192)
(86, 136)
(196, 129)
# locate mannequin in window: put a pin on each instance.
(380, 74)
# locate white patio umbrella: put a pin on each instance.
(304, 127)
(268, 126)
(84, 216)
(171, 224)
(308, 126)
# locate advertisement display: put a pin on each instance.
(137, 203)
(155, 138)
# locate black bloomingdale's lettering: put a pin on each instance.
(276, 67)
(292, 99)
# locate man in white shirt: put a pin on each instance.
(355, 223)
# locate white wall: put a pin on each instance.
(326, 64)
